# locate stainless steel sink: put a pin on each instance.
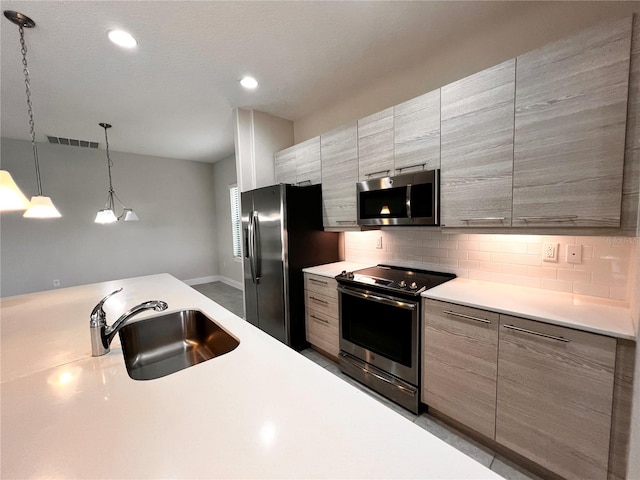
(169, 343)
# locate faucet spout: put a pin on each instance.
(157, 305)
(102, 334)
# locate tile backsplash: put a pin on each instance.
(605, 270)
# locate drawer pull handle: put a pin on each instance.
(467, 317)
(376, 173)
(318, 281)
(346, 222)
(550, 218)
(399, 169)
(318, 300)
(484, 219)
(524, 330)
(308, 182)
(321, 320)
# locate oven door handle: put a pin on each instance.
(378, 298)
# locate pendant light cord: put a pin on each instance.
(109, 162)
(32, 124)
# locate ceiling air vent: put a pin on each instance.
(72, 142)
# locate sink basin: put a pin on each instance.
(169, 343)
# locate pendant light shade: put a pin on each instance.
(108, 213)
(41, 206)
(11, 197)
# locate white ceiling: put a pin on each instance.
(173, 96)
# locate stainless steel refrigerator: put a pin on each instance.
(282, 233)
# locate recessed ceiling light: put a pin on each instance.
(249, 82)
(122, 38)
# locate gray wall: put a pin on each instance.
(224, 175)
(173, 198)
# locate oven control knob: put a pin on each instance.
(349, 274)
(343, 273)
(413, 286)
(402, 284)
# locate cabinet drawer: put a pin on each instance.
(322, 285)
(322, 331)
(321, 303)
(555, 393)
(459, 369)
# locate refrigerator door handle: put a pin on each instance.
(251, 245)
(257, 256)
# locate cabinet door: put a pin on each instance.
(339, 152)
(477, 149)
(459, 354)
(570, 116)
(308, 162)
(417, 133)
(375, 145)
(555, 389)
(285, 165)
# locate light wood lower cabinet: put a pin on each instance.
(459, 363)
(554, 397)
(321, 322)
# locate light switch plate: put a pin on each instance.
(574, 253)
(379, 242)
(550, 252)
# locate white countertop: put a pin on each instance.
(260, 411)
(582, 312)
(333, 269)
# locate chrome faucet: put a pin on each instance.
(102, 334)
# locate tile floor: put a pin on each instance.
(231, 298)
(226, 295)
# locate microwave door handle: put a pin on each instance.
(408, 201)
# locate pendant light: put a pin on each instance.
(41, 206)
(108, 213)
(11, 197)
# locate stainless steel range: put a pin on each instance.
(380, 328)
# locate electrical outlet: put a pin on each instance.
(56, 283)
(550, 252)
(379, 242)
(574, 253)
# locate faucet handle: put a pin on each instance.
(98, 316)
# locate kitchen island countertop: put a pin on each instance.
(260, 411)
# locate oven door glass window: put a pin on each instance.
(382, 329)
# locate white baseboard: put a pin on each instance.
(214, 278)
(198, 281)
(231, 282)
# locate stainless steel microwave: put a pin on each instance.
(410, 199)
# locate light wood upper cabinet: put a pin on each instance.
(308, 162)
(417, 133)
(300, 164)
(477, 149)
(339, 152)
(285, 165)
(570, 117)
(375, 145)
(459, 364)
(555, 391)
